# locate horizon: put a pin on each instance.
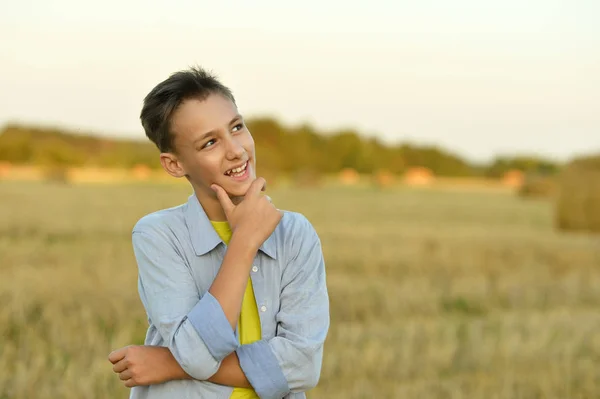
(141, 138)
(477, 80)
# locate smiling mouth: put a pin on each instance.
(238, 171)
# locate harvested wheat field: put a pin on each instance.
(433, 294)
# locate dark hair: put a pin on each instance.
(165, 98)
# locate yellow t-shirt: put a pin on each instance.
(249, 321)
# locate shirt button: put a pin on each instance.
(263, 308)
(254, 269)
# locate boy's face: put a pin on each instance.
(210, 139)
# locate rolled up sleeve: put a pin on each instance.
(291, 361)
(194, 328)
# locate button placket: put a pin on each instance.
(259, 293)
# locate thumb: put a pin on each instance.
(224, 199)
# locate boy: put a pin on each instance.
(234, 289)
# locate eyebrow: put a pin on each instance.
(212, 132)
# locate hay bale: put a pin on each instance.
(513, 178)
(5, 168)
(141, 172)
(418, 176)
(349, 176)
(578, 202)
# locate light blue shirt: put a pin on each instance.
(179, 253)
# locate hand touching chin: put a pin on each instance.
(236, 199)
(237, 196)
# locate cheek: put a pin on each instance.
(248, 141)
(204, 169)
(249, 146)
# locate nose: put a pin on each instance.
(235, 149)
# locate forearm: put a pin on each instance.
(230, 373)
(229, 285)
(173, 369)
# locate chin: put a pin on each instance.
(238, 190)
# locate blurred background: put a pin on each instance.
(448, 154)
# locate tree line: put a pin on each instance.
(280, 149)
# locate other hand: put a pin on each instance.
(142, 364)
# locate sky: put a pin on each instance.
(478, 78)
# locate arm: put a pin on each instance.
(197, 332)
(291, 361)
(230, 373)
(232, 278)
(149, 365)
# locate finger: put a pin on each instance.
(125, 375)
(130, 383)
(117, 355)
(223, 199)
(120, 366)
(256, 187)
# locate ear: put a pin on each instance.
(171, 164)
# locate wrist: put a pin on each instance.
(244, 243)
(173, 370)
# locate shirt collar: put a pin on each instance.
(203, 235)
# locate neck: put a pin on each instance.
(212, 208)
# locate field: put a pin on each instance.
(434, 294)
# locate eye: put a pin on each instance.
(238, 127)
(209, 143)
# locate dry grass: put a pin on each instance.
(434, 294)
(538, 187)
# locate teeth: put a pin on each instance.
(237, 170)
